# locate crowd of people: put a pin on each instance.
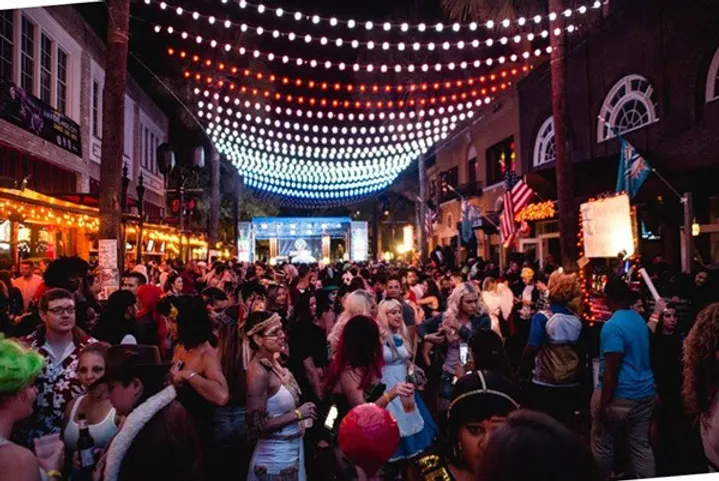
(196, 372)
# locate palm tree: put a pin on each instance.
(113, 127)
(497, 10)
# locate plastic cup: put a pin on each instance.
(408, 403)
(307, 423)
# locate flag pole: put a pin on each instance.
(687, 250)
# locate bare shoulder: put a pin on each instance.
(18, 462)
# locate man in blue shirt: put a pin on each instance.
(623, 402)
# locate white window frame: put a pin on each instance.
(156, 137)
(609, 112)
(13, 43)
(713, 78)
(545, 136)
(47, 25)
(42, 69)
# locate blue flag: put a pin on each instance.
(633, 169)
(467, 231)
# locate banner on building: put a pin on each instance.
(32, 114)
(12, 4)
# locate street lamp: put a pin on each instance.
(166, 164)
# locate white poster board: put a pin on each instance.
(108, 272)
(607, 227)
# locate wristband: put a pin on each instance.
(387, 398)
(54, 473)
(299, 415)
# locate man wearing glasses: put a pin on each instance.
(60, 342)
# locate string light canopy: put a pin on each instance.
(368, 25)
(316, 139)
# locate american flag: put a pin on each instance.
(430, 217)
(517, 195)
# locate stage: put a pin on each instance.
(302, 240)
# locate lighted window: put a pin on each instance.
(544, 146)
(713, 79)
(630, 105)
(501, 158)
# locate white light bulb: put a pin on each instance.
(570, 28)
(421, 27)
(243, 27)
(456, 27)
(537, 19)
(400, 46)
(243, 4)
(582, 10)
(351, 23)
(557, 31)
(439, 27)
(260, 8)
(291, 36)
(490, 24)
(552, 17)
(445, 45)
(385, 46)
(323, 40)
(416, 46)
(198, 39)
(279, 12)
(387, 26)
(308, 38)
(276, 34)
(328, 64)
(228, 47)
(430, 46)
(517, 38)
(316, 19)
(341, 66)
(213, 44)
(313, 63)
(298, 16)
(370, 45)
(260, 30)
(179, 10)
(369, 25)
(163, 5)
(370, 67)
(404, 27)
(285, 59)
(333, 21)
(475, 43)
(157, 29)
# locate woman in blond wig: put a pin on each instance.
(416, 427)
(465, 315)
(358, 303)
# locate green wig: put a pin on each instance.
(18, 366)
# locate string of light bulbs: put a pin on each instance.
(348, 87)
(345, 104)
(403, 27)
(357, 67)
(341, 116)
(369, 45)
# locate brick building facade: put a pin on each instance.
(57, 57)
(650, 70)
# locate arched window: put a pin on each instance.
(544, 151)
(713, 79)
(630, 105)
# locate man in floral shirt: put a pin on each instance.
(60, 342)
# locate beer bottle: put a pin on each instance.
(85, 448)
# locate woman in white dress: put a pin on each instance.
(416, 426)
(274, 421)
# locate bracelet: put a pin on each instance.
(299, 415)
(387, 398)
(54, 473)
(193, 374)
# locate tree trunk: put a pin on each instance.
(421, 234)
(214, 214)
(113, 125)
(568, 217)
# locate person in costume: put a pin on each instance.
(18, 369)
(417, 428)
(275, 419)
(480, 404)
(158, 439)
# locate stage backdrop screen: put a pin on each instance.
(302, 249)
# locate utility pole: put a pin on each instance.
(113, 140)
(421, 237)
(214, 214)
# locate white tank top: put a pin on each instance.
(102, 432)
